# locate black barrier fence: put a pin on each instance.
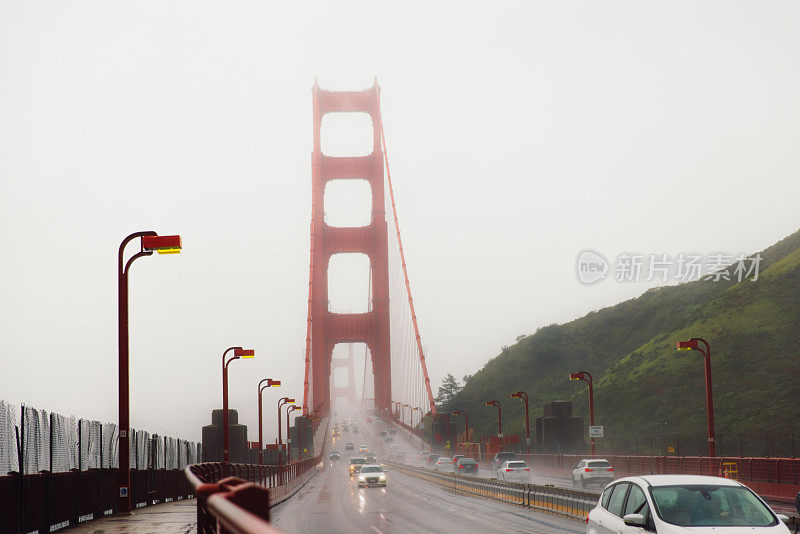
(45, 501)
(57, 471)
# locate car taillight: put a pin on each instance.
(509, 469)
(526, 469)
(461, 467)
(588, 470)
(610, 469)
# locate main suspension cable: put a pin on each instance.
(405, 271)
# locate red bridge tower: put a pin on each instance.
(326, 329)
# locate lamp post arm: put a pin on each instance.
(134, 258)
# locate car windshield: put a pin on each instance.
(599, 463)
(708, 505)
(372, 469)
(517, 464)
(358, 460)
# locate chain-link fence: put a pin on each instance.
(9, 455)
(33, 440)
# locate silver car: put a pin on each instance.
(597, 471)
(676, 504)
(514, 471)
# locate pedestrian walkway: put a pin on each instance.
(172, 517)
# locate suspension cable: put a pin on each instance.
(403, 263)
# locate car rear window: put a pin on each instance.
(358, 460)
(468, 461)
(444, 459)
(599, 463)
(517, 464)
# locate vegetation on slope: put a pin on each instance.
(647, 393)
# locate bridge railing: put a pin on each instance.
(236, 498)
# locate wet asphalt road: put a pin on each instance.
(332, 503)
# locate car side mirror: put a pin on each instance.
(783, 518)
(634, 520)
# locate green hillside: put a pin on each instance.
(646, 392)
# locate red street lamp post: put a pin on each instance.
(270, 384)
(311, 418)
(693, 344)
(403, 406)
(446, 423)
(291, 408)
(238, 352)
(466, 423)
(586, 377)
(524, 396)
(499, 417)
(150, 242)
(281, 402)
(412, 415)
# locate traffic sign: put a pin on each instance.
(595, 431)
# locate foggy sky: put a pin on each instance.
(518, 134)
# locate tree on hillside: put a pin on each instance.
(447, 390)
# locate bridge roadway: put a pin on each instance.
(333, 503)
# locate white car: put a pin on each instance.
(371, 475)
(592, 471)
(677, 504)
(444, 464)
(514, 471)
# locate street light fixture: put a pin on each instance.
(499, 417)
(586, 377)
(238, 352)
(466, 423)
(270, 383)
(403, 412)
(412, 415)
(150, 242)
(281, 402)
(292, 407)
(694, 344)
(524, 396)
(312, 417)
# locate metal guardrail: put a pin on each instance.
(562, 501)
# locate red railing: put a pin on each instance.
(235, 498)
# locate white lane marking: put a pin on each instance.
(376, 529)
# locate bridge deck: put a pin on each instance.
(172, 517)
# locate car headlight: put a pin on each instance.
(382, 477)
(362, 478)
